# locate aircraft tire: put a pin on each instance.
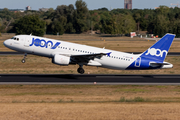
(23, 60)
(80, 70)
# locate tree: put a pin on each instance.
(57, 27)
(30, 24)
(103, 9)
(81, 17)
(162, 10)
(161, 25)
(175, 27)
(118, 24)
(95, 19)
(62, 18)
(108, 26)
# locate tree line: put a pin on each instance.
(78, 19)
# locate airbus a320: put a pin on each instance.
(65, 53)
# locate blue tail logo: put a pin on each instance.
(156, 52)
(160, 49)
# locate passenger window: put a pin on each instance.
(17, 39)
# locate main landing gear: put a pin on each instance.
(24, 59)
(80, 69)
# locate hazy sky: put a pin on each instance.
(91, 4)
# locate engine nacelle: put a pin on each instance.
(61, 60)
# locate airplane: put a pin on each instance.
(65, 53)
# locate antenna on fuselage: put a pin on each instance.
(30, 34)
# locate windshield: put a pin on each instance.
(14, 38)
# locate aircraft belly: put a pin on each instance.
(113, 63)
(42, 51)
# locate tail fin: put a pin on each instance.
(160, 49)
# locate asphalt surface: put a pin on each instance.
(18, 53)
(90, 79)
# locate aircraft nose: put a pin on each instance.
(6, 43)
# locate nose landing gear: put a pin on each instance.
(24, 59)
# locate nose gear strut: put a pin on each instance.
(24, 59)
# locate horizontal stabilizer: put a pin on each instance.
(151, 64)
(162, 65)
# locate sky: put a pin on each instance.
(91, 4)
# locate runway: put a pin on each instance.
(99, 79)
(18, 53)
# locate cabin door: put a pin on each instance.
(138, 62)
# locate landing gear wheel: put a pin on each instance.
(80, 70)
(23, 60)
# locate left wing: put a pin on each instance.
(86, 57)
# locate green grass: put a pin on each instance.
(88, 93)
(35, 93)
(133, 90)
(177, 90)
(121, 100)
(161, 86)
(136, 99)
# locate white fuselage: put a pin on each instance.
(65, 53)
(116, 60)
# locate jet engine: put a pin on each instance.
(61, 60)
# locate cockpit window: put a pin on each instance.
(14, 38)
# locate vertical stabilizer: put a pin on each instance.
(160, 49)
